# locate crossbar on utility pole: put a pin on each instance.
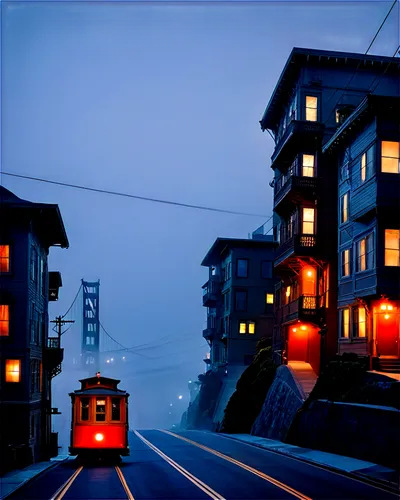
(60, 323)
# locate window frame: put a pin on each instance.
(245, 300)
(390, 157)
(33, 264)
(344, 207)
(247, 324)
(344, 321)
(392, 249)
(369, 261)
(343, 262)
(303, 167)
(271, 269)
(9, 360)
(305, 108)
(237, 268)
(7, 259)
(7, 320)
(313, 222)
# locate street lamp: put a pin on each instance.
(180, 397)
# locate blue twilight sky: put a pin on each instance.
(159, 100)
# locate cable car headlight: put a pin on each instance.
(99, 437)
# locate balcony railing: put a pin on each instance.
(299, 244)
(304, 308)
(211, 291)
(53, 356)
(298, 186)
(210, 332)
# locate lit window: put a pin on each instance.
(100, 410)
(361, 257)
(308, 220)
(361, 322)
(4, 258)
(392, 247)
(4, 320)
(344, 208)
(345, 323)
(13, 370)
(346, 263)
(390, 157)
(269, 299)
(365, 253)
(308, 166)
(252, 327)
(311, 108)
(242, 327)
(363, 167)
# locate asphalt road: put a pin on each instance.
(195, 465)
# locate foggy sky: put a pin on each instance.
(161, 101)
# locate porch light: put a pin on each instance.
(309, 273)
(294, 330)
(303, 328)
(383, 307)
(390, 307)
(387, 316)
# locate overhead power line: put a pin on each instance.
(134, 196)
(359, 63)
(73, 302)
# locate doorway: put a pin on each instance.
(387, 334)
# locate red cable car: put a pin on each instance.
(99, 425)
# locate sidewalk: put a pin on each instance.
(13, 480)
(360, 469)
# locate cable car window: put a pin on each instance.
(85, 409)
(100, 410)
(115, 409)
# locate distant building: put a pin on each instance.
(239, 298)
(366, 151)
(28, 357)
(315, 95)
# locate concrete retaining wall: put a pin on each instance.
(281, 404)
(366, 432)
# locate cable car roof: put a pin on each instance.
(99, 391)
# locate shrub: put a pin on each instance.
(251, 389)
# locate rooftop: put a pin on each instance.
(220, 245)
(48, 216)
(371, 106)
(300, 57)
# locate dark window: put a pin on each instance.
(33, 263)
(100, 410)
(85, 409)
(241, 300)
(115, 409)
(266, 269)
(242, 268)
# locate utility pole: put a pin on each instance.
(60, 323)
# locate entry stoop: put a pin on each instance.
(389, 365)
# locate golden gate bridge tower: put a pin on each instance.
(90, 345)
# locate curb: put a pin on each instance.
(27, 481)
(379, 483)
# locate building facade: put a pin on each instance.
(366, 154)
(315, 94)
(28, 357)
(239, 299)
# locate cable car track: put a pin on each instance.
(63, 490)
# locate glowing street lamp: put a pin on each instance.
(180, 396)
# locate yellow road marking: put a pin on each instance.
(204, 487)
(65, 487)
(258, 473)
(123, 481)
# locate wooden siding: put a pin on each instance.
(363, 199)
